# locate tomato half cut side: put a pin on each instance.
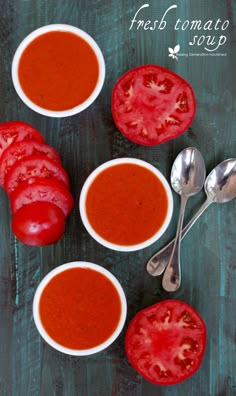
(165, 343)
(16, 131)
(40, 190)
(39, 224)
(34, 166)
(18, 150)
(151, 105)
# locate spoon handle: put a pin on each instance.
(172, 276)
(158, 262)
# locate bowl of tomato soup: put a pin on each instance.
(79, 308)
(58, 70)
(126, 204)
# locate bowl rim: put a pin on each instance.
(46, 280)
(90, 229)
(64, 28)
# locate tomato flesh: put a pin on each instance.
(151, 105)
(18, 150)
(40, 189)
(39, 224)
(165, 343)
(34, 166)
(16, 131)
(33, 177)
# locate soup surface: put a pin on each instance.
(126, 204)
(80, 308)
(58, 70)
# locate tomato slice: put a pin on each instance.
(16, 131)
(151, 104)
(34, 166)
(39, 223)
(39, 189)
(165, 343)
(18, 150)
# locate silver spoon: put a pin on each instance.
(187, 178)
(220, 187)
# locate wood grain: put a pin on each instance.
(28, 367)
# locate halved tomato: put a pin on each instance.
(16, 131)
(18, 150)
(39, 190)
(39, 223)
(165, 343)
(34, 166)
(151, 104)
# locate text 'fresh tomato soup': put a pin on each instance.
(126, 204)
(58, 70)
(80, 308)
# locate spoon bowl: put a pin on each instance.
(220, 187)
(220, 184)
(188, 172)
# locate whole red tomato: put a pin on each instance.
(38, 223)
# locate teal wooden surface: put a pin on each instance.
(28, 367)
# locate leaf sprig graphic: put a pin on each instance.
(174, 51)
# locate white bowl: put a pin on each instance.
(64, 28)
(90, 229)
(43, 332)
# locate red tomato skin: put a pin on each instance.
(39, 224)
(34, 166)
(162, 137)
(18, 150)
(40, 189)
(132, 327)
(16, 131)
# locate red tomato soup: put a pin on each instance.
(58, 70)
(126, 204)
(80, 308)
